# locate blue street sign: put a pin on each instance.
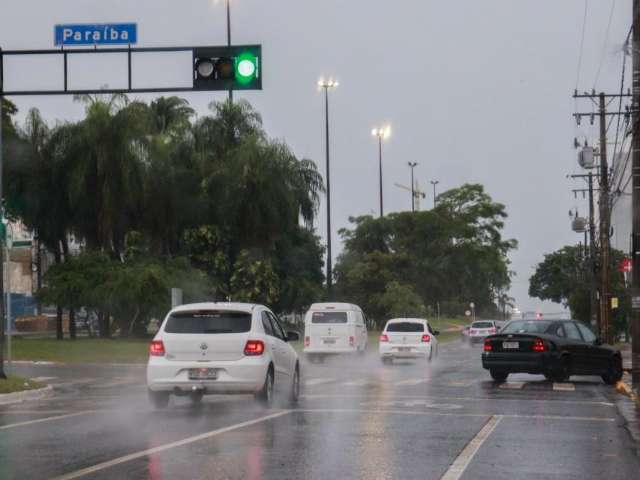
(96, 34)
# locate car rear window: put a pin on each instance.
(482, 325)
(208, 322)
(405, 327)
(527, 326)
(329, 317)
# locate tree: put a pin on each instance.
(564, 277)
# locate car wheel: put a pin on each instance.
(159, 400)
(265, 395)
(563, 372)
(614, 374)
(196, 397)
(549, 376)
(430, 358)
(498, 376)
(295, 388)
(387, 360)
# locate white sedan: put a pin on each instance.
(222, 348)
(408, 338)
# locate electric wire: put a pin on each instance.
(604, 45)
(584, 27)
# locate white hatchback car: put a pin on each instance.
(222, 348)
(408, 338)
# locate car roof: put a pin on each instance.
(334, 306)
(236, 306)
(404, 320)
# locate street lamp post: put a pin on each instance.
(229, 39)
(326, 85)
(381, 133)
(412, 165)
(434, 183)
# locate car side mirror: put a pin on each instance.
(293, 336)
(598, 341)
(436, 332)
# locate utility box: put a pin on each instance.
(586, 158)
(579, 224)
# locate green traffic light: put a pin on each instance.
(246, 68)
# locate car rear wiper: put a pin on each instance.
(217, 330)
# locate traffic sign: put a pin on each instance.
(626, 265)
(96, 34)
(468, 313)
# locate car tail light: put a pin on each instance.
(539, 345)
(307, 341)
(254, 348)
(472, 331)
(426, 338)
(487, 345)
(352, 340)
(492, 330)
(156, 348)
(384, 337)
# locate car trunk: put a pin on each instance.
(405, 338)
(209, 347)
(513, 342)
(331, 335)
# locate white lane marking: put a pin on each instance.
(463, 460)
(47, 419)
(511, 385)
(318, 381)
(118, 383)
(44, 379)
(460, 383)
(564, 387)
(355, 383)
(167, 446)
(412, 382)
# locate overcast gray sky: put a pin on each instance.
(475, 91)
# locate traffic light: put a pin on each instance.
(227, 68)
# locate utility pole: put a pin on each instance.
(593, 300)
(635, 172)
(412, 165)
(2, 240)
(605, 280)
(434, 183)
(229, 40)
(380, 167)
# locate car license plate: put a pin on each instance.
(404, 349)
(510, 345)
(329, 341)
(202, 374)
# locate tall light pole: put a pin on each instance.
(434, 183)
(326, 85)
(228, 2)
(2, 240)
(381, 133)
(413, 165)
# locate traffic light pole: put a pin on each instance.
(635, 173)
(326, 118)
(380, 165)
(229, 40)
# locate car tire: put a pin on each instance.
(614, 373)
(265, 395)
(294, 396)
(563, 372)
(430, 358)
(387, 360)
(159, 400)
(549, 376)
(196, 397)
(499, 376)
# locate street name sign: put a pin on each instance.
(96, 34)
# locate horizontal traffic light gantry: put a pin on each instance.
(227, 68)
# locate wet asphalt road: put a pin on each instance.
(357, 419)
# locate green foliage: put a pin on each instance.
(452, 255)
(401, 301)
(564, 277)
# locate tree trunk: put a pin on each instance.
(103, 320)
(59, 332)
(133, 322)
(72, 323)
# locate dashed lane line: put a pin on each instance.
(355, 383)
(512, 385)
(411, 382)
(460, 464)
(318, 381)
(161, 448)
(564, 387)
(47, 419)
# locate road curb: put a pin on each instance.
(19, 397)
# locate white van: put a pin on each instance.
(332, 328)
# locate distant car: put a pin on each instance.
(480, 329)
(408, 338)
(334, 328)
(464, 333)
(556, 349)
(222, 348)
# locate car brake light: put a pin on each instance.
(384, 338)
(351, 341)
(254, 348)
(156, 348)
(492, 330)
(487, 345)
(307, 341)
(539, 345)
(426, 338)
